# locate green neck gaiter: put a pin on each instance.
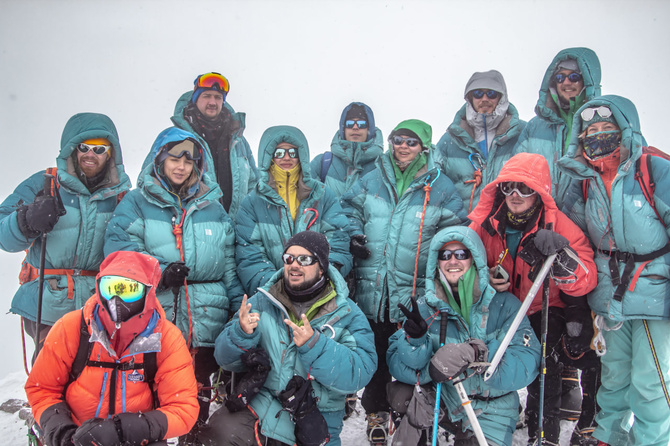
(404, 179)
(466, 285)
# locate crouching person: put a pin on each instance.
(318, 347)
(477, 319)
(116, 371)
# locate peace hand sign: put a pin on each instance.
(301, 334)
(248, 320)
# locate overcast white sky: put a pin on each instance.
(297, 63)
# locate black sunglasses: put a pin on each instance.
(491, 94)
(399, 140)
(280, 153)
(362, 123)
(460, 254)
(303, 259)
(572, 77)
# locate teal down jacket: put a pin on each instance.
(460, 155)
(242, 163)
(547, 133)
(143, 222)
(491, 315)
(340, 356)
(351, 160)
(264, 223)
(392, 225)
(76, 242)
(626, 222)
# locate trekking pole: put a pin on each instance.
(175, 303)
(543, 361)
(470, 412)
(438, 387)
(40, 281)
(539, 280)
(658, 366)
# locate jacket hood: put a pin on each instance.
(372, 130)
(471, 240)
(490, 80)
(422, 129)
(174, 134)
(627, 120)
(358, 153)
(276, 135)
(589, 67)
(531, 169)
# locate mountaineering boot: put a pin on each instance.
(377, 429)
(350, 405)
(571, 398)
(583, 437)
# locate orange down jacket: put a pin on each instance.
(532, 170)
(89, 395)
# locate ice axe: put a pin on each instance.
(48, 178)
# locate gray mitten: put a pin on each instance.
(450, 360)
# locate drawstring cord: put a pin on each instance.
(427, 186)
(477, 176)
(177, 230)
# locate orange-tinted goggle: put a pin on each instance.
(212, 81)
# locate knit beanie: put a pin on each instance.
(415, 128)
(314, 242)
(356, 111)
(596, 117)
(567, 64)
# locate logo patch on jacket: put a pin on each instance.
(136, 377)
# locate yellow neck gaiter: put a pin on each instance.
(287, 186)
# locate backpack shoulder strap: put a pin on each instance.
(643, 175)
(83, 353)
(326, 161)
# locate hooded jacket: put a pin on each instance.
(76, 242)
(495, 401)
(547, 133)
(626, 223)
(392, 223)
(242, 163)
(351, 160)
(89, 395)
(460, 155)
(532, 170)
(340, 356)
(144, 222)
(264, 222)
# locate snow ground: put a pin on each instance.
(13, 430)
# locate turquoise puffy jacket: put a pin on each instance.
(264, 223)
(391, 225)
(626, 222)
(548, 132)
(242, 163)
(495, 401)
(340, 356)
(76, 242)
(460, 155)
(144, 222)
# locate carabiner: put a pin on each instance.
(316, 215)
(480, 161)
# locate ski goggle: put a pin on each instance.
(303, 260)
(97, 149)
(491, 94)
(399, 140)
(128, 290)
(460, 254)
(362, 124)
(212, 80)
(509, 187)
(280, 153)
(572, 77)
(588, 113)
(185, 148)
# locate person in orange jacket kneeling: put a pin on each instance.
(136, 384)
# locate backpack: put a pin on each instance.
(326, 161)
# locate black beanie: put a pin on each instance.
(314, 242)
(356, 112)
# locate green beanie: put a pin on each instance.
(422, 130)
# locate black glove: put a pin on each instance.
(257, 362)
(127, 429)
(298, 399)
(357, 247)
(174, 275)
(40, 216)
(578, 325)
(451, 360)
(57, 425)
(549, 242)
(415, 325)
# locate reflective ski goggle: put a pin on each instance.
(280, 153)
(491, 94)
(460, 254)
(509, 187)
(362, 123)
(588, 113)
(97, 149)
(212, 81)
(128, 290)
(303, 260)
(399, 140)
(572, 77)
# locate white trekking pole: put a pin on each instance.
(470, 412)
(519, 316)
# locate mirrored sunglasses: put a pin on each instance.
(362, 124)
(588, 113)
(212, 80)
(128, 290)
(460, 254)
(303, 260)
(491, 94)
(509, 187)
(572, 77)
(280, 153)
(399, 140)
(97, 149)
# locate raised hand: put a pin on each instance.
(415, 325)
(301, 334)
(248, 320)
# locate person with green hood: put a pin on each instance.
(394, 211)
(572, 78)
